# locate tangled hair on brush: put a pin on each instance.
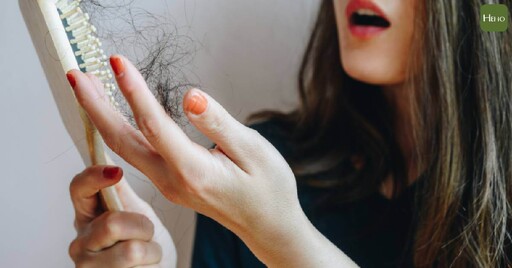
(153, 43)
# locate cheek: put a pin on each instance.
(383, 58)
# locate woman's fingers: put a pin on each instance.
(159, 129)
(112, 227)
(240, 143)
(133, 238)
(84, 189)
(119, 135)
(131, 253)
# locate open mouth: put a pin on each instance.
(367, 17)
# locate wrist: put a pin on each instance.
(293, 242)
(283, 241)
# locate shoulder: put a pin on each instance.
(276, 133)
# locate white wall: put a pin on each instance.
(248, 57)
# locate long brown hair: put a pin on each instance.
(462, 111)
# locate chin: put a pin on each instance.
(375, 38)
(370, 72)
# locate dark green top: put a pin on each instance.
(374, 231)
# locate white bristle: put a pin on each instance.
(92, 54)
(90, 62)
(86, 44)
(76, 26)
(80, 39)
(95, 67)
(80, 34)
(98, 72)
(73, 16)
(106, 77)
(91, 44)
(68, 11)
(69, 6)
(96, 59)
(61, 4)
(86, 30)
(87, 49)
(80, 17)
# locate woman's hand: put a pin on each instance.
(134, 238)
(243, 183)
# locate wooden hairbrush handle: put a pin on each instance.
(109, 196)
(57, 57)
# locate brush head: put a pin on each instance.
(64, 40)
(85, 44)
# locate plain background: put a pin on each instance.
(248, 53)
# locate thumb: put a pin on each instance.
(84, 189)
(236, 140)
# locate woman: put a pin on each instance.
(400, 154)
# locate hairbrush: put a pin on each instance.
(64, 40)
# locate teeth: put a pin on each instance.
(366, 12)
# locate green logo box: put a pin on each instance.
(494, 18)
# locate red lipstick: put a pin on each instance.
(365, 19)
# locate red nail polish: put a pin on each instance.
(111, 172)
(117, 65)
(71, 79)
(196, 103)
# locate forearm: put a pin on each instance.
(299, 245)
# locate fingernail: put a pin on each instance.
(196, 103)
(111, 172)
(71, 79)
(117, 65)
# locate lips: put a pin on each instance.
(365, 19)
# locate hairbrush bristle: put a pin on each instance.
(85, 44)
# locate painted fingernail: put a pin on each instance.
(71, 79)
(111, 172)
(196, 103)
(117, 65)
